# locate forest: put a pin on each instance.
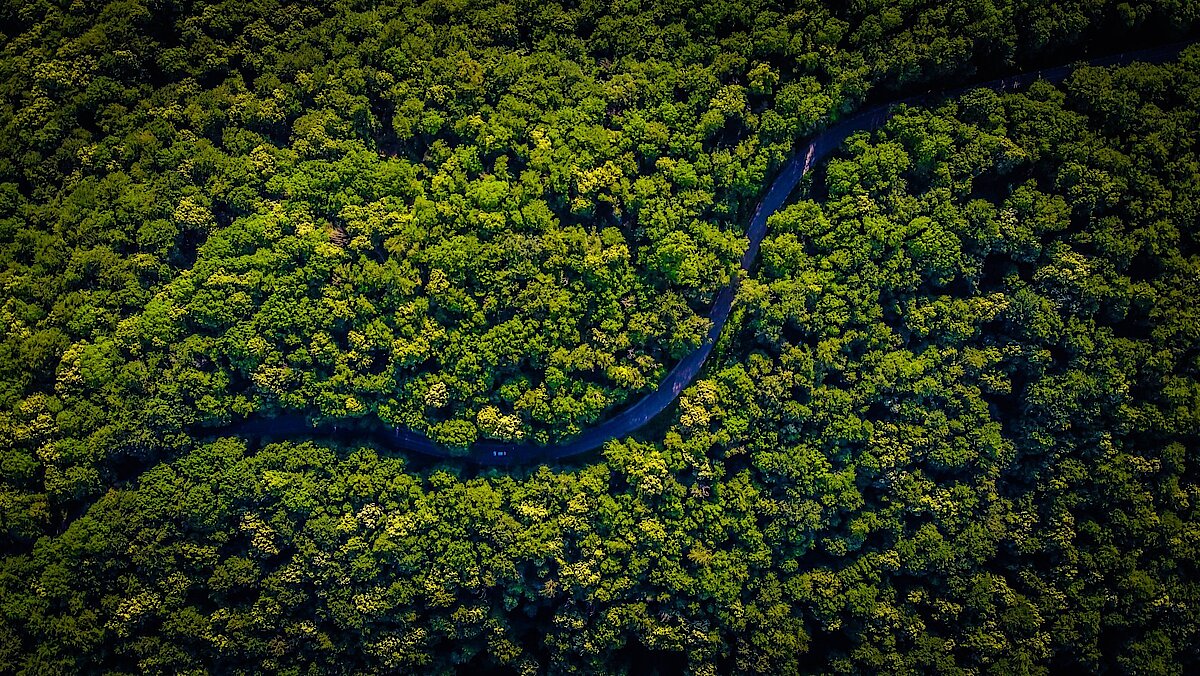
(951, 425)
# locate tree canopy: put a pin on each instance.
(951, 426)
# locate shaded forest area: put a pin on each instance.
(953, 426)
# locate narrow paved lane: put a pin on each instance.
(638, 414)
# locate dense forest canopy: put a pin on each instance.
(952, 425)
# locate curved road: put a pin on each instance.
(489, 452)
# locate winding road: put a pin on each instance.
(631, 419)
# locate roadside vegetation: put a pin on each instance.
(952, 427)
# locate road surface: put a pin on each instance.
(629, 420)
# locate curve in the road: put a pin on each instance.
(488, 452)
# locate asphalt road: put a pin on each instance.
(631, 419)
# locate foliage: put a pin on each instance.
(953, 431)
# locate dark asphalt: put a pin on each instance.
(631, 419)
